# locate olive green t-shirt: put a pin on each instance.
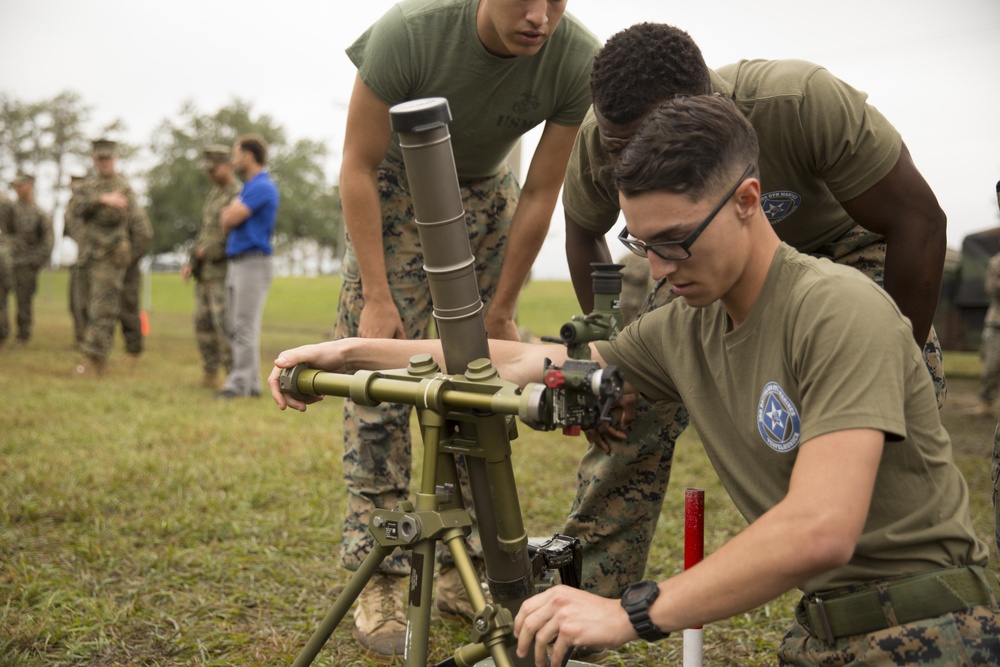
(430, 48)
(820, 143)
(823, 350)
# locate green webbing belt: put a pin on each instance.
(897, 602)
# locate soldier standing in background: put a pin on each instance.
(107, 204)
(6, 264)
(73, 228)
(140, 234)
(207, 265)
(31, 249)
(995, 465)
(989, 346)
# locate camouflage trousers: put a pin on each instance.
(77, 303)
(995, 474)
(620, 497)
(102, 283)
(129, 316)
(210, 325)
(377, 442)
(24, 284)
(989, 350)
(6, 285)
(958, 639)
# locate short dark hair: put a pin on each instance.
(689, 145)
(254, 144)
(645, 65)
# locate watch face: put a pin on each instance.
(635, 593)
(631, 596)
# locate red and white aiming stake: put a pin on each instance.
(694, 551)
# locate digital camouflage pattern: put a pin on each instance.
(960, 639)
(73, 228)
(6, 264)
(140, 236)
(377, 442)
(31, 241)
(620, 497)
(995, 474)
(106, 253)
(989, 347)
(210, 276)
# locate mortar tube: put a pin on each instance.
(425, 141)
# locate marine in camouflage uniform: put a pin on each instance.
(995, 474)
(107, 205)
(494, 99)
(31, 248)
(804, 178)
(989, 347)
(6, 264)
(207, 264)
(377, 441)
(140, 234)
(995, 465)
(73, 228)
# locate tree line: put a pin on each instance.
(52, 135)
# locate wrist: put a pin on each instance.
(637, 600)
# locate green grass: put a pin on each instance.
(143, 523)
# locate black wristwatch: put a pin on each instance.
(636, 600)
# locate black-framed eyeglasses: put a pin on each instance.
(678, 250)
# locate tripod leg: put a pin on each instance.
(418, 611)
(343, 603)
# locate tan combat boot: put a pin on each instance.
(449, 593)
(380, 618)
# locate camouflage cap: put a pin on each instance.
(105, 147)
(215, 154)
(22, 178)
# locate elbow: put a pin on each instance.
(939, 224)
(825, 549)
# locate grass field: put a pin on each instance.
(144, 523)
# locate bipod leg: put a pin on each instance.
(343, 603)
(493, 626)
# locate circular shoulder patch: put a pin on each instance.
(778, 419)
(779, 205)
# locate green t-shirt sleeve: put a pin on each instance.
(590, 197)
(853, 145)
(636, 352)
(383, 58)
(843, 383)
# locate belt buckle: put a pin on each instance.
(824, 619)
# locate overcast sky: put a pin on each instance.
(930, 66)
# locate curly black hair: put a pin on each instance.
(645, 65)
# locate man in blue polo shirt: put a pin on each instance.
(249, 223)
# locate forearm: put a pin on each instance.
(363, 221)
(231, 217)
(582, 248)
(766, 560)
(914, 266)
(814, 529)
